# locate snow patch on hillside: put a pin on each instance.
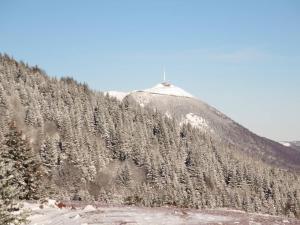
(196, 121)
(168, 115)
(168, 89)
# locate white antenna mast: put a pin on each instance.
(164, 72)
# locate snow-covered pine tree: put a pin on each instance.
(10, 191)
(8, 195)
(25, 167)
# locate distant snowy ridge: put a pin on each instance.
(168, 89)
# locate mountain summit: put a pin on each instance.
(166, 88)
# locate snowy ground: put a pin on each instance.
(74, 214)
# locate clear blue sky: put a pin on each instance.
(243, 57)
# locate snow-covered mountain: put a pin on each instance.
(90, 147)
(177, 103)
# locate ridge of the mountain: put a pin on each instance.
(174, 102)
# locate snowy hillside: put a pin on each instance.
(80, 145)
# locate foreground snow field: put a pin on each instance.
(75, 214)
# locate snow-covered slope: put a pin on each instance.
(168, 89)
